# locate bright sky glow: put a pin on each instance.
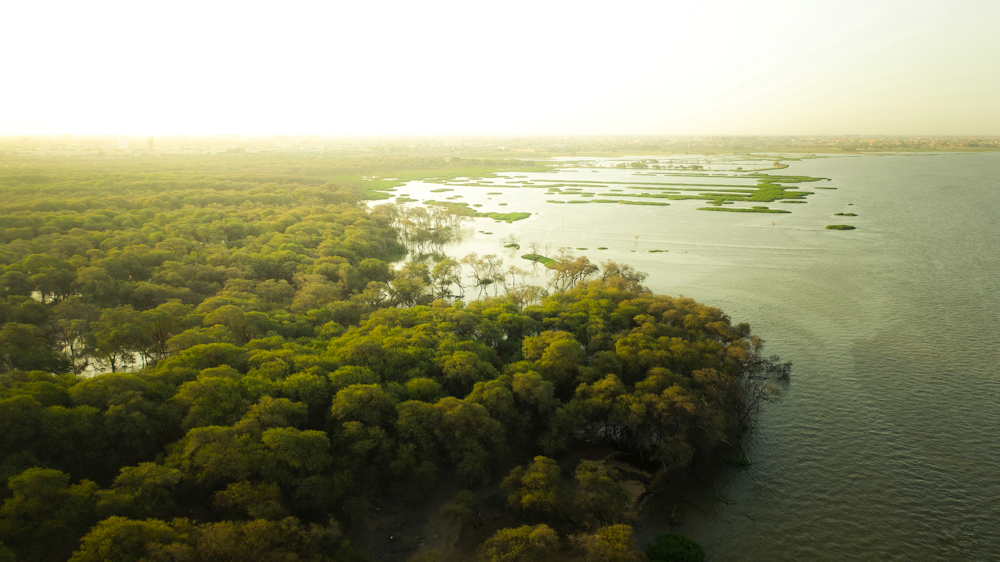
(353, 67)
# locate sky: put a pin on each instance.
(804, 67)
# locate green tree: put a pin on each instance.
(558, 355)
(464, 506)
(255, 500)
(15, 283)
(71, 326)
(471, 438)
(118, 539)
(600, 493)
(613, 543)
(536, 488)
(211, 401)
(366, 403)
(518, 544)
(140, 491)
(25, 347)
(672, 547)
(46, 513)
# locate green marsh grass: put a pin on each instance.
(741, 210)
(544, 260)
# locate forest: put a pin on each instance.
(234, 357)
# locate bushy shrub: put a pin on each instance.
(672, 547)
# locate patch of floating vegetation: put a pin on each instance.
(583, 248)
(477, 205)
(495, 193)
(792, 201)
(645, 195)
(512, 246)
(619, 201)
(821, 187)
(743, 210)
(657, 251)
(669, 183)
(602, 247)
(441, 190)
(402, 199)
(463, 209)
(650, 203)
(501, 205)
(845, 214)
(839, 227)
(768, 189)
(505, 217)
(544, 260)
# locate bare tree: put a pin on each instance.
(480, 271)
(568, 270)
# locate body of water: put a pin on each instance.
(886, 445)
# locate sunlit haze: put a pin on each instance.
(900, 67)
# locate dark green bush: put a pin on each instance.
(672, 547)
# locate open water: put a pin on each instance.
(886, 444)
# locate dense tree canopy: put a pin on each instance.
(267, 368)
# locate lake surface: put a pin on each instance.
(886, 445)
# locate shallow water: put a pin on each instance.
(886, 445)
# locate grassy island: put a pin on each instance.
(544, 260)
(743, 210)
(839, 227)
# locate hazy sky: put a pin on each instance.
(425, 67)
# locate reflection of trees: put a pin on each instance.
(422, 229)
